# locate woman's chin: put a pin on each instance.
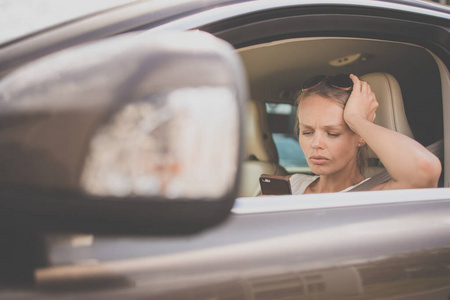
(318, 169)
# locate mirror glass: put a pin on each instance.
(183, 143)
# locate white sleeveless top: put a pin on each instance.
(299, 183)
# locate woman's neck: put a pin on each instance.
(335, 182)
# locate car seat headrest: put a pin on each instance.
(391, 112)
(260, 145)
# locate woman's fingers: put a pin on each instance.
(374, 104)
(361, 86)
(356, 82)
(362, 100)
(365, 88)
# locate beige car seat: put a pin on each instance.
(261, 152)
(390, 113)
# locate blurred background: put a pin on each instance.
(19, 18)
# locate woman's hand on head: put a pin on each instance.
(361, 104)
(409, 164)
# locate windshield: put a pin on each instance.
(20, 18)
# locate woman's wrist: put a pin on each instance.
(354, 121)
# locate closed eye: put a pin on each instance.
(334, 134)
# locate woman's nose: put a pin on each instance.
(317, 141)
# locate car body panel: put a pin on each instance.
(389, 248)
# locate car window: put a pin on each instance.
(282, 122)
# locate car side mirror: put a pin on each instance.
(135, 133)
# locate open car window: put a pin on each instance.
(278, 69)
(282, 121)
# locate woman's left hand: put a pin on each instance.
(362, 103)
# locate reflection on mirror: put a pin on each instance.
(181, 144)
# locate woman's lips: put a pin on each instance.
(318, 159)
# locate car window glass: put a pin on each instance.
(281, 118)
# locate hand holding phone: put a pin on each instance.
(275, 185)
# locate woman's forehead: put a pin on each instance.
(316, 105)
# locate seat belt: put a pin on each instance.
(437, 148)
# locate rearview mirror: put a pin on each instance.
(130, 134)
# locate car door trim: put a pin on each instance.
(266, 204)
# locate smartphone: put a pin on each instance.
(275, 185)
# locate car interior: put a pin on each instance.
(404, 77)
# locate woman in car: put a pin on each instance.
(335, 115)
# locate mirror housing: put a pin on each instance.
(132, 134)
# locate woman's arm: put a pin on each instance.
(409, 163)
